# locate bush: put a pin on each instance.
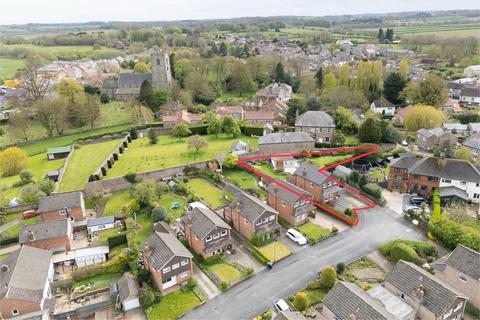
(340, 267)
(300, 301)
(159, 214)
(451, 233)
(252, 130)
(8, 240)
(328, 277)
(104, 98)
(367, 287)
(422, 248)
(26, 176)
(191, 283)
(132, 206)
(373, 190)
(199, 129)
(363, 180)
(130, 177)
(116, 240)
(401, 251)
(152, 136)
(133, 133)
(118, 264)
(146, 296)
(46, 186)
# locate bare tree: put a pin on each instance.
(52, 115)
(220, 157)
(140, 113)
(20, 124)
(92, 110)
(38, 83)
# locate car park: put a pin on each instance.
(296, 236)
(281, 305)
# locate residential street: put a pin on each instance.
(258, 293)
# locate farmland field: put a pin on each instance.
(60, 52)
(8, 67)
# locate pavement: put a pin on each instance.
(257, 294)
(395, 200)
(9, 249)
(8, 225)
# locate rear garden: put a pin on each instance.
(244, 181)
(14, 230)
(208, 192)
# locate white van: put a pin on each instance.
(296, 236)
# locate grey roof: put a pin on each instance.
(315, 119)
(311, 173)
(470, 92)
(438, 296)
(100, 221)
(446, 168)
(392, 303)
(251, 207)
(347, 301)
(133, 78)
(474, 127)
(425, 133)
(110, 84)
(473, 141)
(286, 195)
(405, 162)
(285, 137)
(163, 247)
(44, 230)
(465, 260)
(239, 145)
(127, 286)
(455, 126)
(383, 103)
(26, 274)
(437, 131)
(453, 191)
(203, 221)
(60, 201)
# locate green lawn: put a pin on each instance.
(352, 140)
(143, 229)
(64, 52)
(314, 296)
(173, 305)
(9, 67)
(116, 250)
(327, 160)
(13, 231)
(275, 251)
(267, 170)
(116, 201)
(378, 174)
(312, 231)
(244, 180)
(166, 201)
(84, 162)
(39, 165)
(105, 234)
(100, 281)
(226, 273)
(114, 113)
(9, 217)
(207, 191)
(141, 156)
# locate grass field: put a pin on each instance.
(13, 231)
(143, 229)
(203, 189)
(116, 201)
(312, 231)
(275, 251)
(141, 156)
(114, 113)
(226, 273)
(9, 67)
(38, 165)
(267, 170)
(100, 281)
(62, 52)
(84, 161)
(173, 305)
(9, 217)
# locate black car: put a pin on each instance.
(417, 201)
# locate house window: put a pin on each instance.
(224, 232)
(264, 220)
(166, 280)
(311, 184)
(300, 129)
(448, 314)
(209, 238)
(327, 139)
(62, 212)
(462, 277)
(463, 183)
(282, 203)
(165, 270)
(476, 196)
(432, 179)
(245, 220)
(447, 180)
(175, 266)
(15, 312)
(272, 217)
(184, 262)
(458, 307)
(259, 222)
(216, 236)
(329, 130)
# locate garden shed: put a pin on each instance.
(58, 153)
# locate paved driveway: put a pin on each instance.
(395, 200)
(257, 294)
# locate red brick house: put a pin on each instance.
(308, 178)
(183, 116)
(251, 217)
(291, 207)
(206, 232)
(62, 205)
(167, 260)
(54, 235)
(235, 112)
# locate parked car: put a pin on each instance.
(417, 201)
(296, 236)
(281, 305)
(416, 208)
(29, 214)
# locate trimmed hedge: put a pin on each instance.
(199, 129)
(118, 264)
(422, 248)
(252, 130)
(401, 251)
(8, 240)
(260, 256)
(451, 233)
(117, 240)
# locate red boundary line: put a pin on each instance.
(373, 149)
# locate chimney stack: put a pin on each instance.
(30, 235)
(146, 248)
(304, 172)
(238, 206)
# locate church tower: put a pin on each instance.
(161, 73)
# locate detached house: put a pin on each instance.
(430, 296)
(253, 218)
(308, 178)
(260, 117)
(318, 124)
(55, 235)
(473, 142)
(461, 270)
(25, 276)
(62, 205)
(167, 260)
(429, 139)
(290, 204)
(383, 106)
(235, 112)
(181, 117)
(206, 232)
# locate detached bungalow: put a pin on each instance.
(62, 205)
(383, 106)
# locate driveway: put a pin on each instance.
(205, 283)
(257, 294)
(134, 314)
(244, 257)
(326, 220)
(395, 200)
(9, 249)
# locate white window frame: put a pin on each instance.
(224, 232)
(62, 212)
(283, 203)
(458, 307)
(184, 262)
(271, 218)
(216, 236)
(15, 312)
(462, 277)
(259, 222)
(166, 270)
(208, 239)
(175, 266)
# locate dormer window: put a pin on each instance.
(15, 312)
(209, 238)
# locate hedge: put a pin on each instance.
(117, 240)
(8, 240)
(118, 264)
(451, 233)
(260, 256)
(199, 129)
(423, 248)
(252, 130)
(401, 251)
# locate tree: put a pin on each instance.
(295, 107)
(403, 69)
(220, 157)
(46, 186)
(343, 96)
(52, 114)
(30, 194)
(300, 301)
(26, 176)
(241, 80)
(223, 49)
(104, 98)
(159, 214)
(36, 82)
(392, 88)
(12, 161)
(230, 126)
(444, 150)
(369, 79)
(389, 35)
(280, 75)
(75, 97)
(319, 78)
(344, 121)
(370, 131)
(340, 267)
(197, 142)
(142, 67)
(308, 86)
(181, 130)
(402, 251)
(463, 153)
(422, 116)
(91, 110)
(146, 95)
(215, 126)
(146, 296)
(146, 193)
(199, 86)
(160, 97)
(21, 125)
(330, 81)
(431, 91)
(140, 114)
(380, 35)
(152, 136)
(313, 104)
(328, 277)
(230, 161)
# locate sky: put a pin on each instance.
(58, 11)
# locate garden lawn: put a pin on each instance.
(244, 180)
(146, 228)
(275, 251)
(312, 231)
(226, 273)
(84, 161)
(116, 201)
(173, 305)
(327, 160)
(167, 200)
(9, 217)
(203, 189)
(314, 296)
(14, 231)
(267, 170)
(114, 113)
(142, 156)
(38, 165)
(105, 234)
(9, 67)
(377, 174)
(100, 281)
